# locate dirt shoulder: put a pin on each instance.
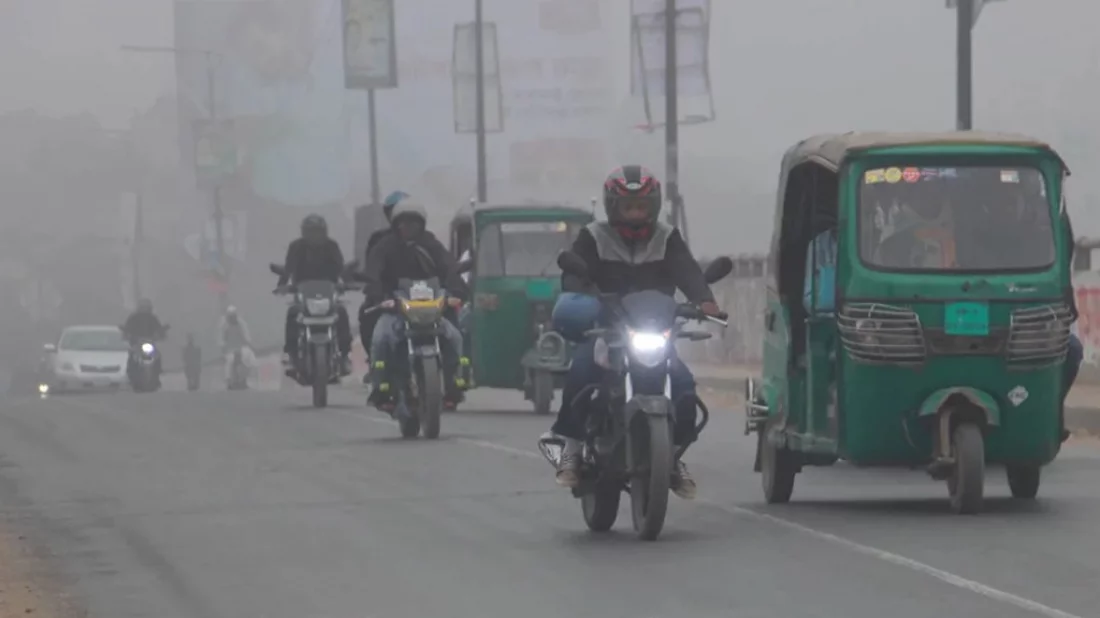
(26, 585)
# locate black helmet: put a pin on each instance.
(314, 228)
(631, 184)
(408, 210)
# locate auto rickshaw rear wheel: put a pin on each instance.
(778, 468)
(967, 481)
(1023, 481)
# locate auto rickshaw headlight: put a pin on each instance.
(867, 331)
(648, 348)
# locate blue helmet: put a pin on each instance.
(391, 201)
(575, 313)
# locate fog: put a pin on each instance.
(87, 130)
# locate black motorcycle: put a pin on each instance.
(318, 361)
(417, 377)
(144, 366)
(628, 445)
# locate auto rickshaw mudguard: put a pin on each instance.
(934, 403)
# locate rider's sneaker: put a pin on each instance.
(382, 400)
(570, 464)
(345, 365)
(683, 485)
(286, 360)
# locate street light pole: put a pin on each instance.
(964, 69)
(479, 70)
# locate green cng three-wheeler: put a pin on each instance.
(515, 281)
(918, 313)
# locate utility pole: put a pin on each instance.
(964, 70)
(215, 194)
(672, 122)
(135, 245)
(479, 69)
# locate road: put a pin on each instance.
(232, 505)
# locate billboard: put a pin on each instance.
(275, 71)
(370, 50)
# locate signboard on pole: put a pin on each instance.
(370, 44)
(215, 152)
(647, 58)
(464, 76)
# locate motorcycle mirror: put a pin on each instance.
(49, 348)
(718, 269)
(572, 264)
(277, 269)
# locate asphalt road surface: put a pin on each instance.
(253, 504)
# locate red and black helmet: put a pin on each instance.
(631, 185)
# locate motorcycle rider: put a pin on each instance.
(142, 324)
(233, 335)
(632, 251)
(314, 256)
(367, 321)
(410, 252)
(192, 361)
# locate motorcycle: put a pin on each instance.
(628, 444)
(318, 361)
(238, 372)
(417, 377)
(144, 368)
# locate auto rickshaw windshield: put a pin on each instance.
(524, 249)
(968, 219)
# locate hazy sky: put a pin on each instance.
(782, 69)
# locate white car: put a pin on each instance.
(89, 357)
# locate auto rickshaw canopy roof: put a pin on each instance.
(833, 149)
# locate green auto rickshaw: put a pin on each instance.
(933, 331)
(515, 281)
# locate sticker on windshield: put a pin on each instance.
(911, 174)
(873, 177)
(893, 175)
(421, 291)
(1010, 176)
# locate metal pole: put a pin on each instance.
(135, 246)
(479, 60)
(219, 215)
(375, 186)
(964, 70)
(672, 117)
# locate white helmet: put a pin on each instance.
(230, 310)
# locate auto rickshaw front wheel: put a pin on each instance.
(778, 468)
(1023, 481)
(966, 483)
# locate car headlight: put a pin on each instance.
(649, 348)
(318, 306)
(147, 349)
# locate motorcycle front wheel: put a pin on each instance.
(320, 377)
(651, 440)
(430, 383)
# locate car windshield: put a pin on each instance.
(968, 219)
(93, 341)
(523, 249)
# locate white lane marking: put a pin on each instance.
(896, 559)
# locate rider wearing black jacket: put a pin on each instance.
(142, 324)
(630, 252)
(410, 252)
(315, 256)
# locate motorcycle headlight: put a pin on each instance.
(318, 306)
(649, 348)
(147, 349)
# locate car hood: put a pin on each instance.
(95, 359)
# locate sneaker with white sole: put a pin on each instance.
(683, 485)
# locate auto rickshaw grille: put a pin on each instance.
(1039, 335)
(878, 333)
